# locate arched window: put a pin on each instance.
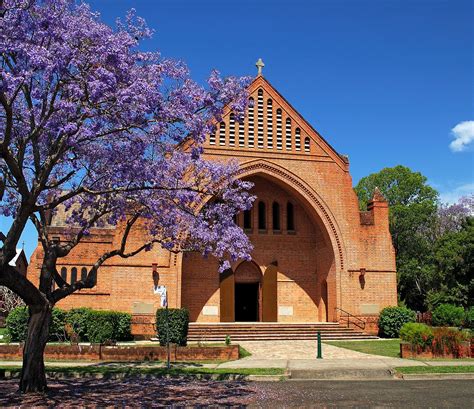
(297, 139)
(251, 119)
(260, 118)
(64, 273)
(288, 134)
(73, 275)
(247, 219)
(232, 130)
(222, 133)
(241, 133)
(262, 216)
(212, 138)
(83, 274)
(279, 130)
(306, 144)
(290, 217)
(276, 216)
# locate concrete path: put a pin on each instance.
(299, 360)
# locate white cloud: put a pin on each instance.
(452, 196)
(463, 134)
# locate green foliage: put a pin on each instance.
(176, 325)
(448, 315)
(17, 323)
(90, 325)
(420, 335)
(391, 319)
(469, 320)
(56, 329)
(76, 322)
(227, 340)
(104, 326)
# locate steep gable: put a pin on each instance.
(271, 126)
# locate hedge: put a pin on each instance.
(420, 335)
(178, 324)
(470, 318)
(89, 325)
(448, 315)
(391, 320)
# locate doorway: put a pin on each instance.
(246, 302)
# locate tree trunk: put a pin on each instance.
(33, 376)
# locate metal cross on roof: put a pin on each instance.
(259, 64)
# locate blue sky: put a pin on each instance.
(384, 81)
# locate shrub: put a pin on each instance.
(17, 323)
(178, 325)
(448, 315)
(391, 319)
(103, 326)
(418, 335)
(76, 323)
(449, 340)
(469, 320)
(227, 340)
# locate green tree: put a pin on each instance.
(412, 213)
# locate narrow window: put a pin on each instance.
(251, 137)
(260, 118)
(306, 144)
(262, 216)
(73, 275)
(290, 217)
(241, 133)
(232, 130)
(247, 219)
(269, 124)
(279, 130)
(212, 138)
(297, 139)
(288, 134)
(276, 216)
(64, 273)
(222, 133)
(83, 274)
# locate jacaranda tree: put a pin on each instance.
(108, 134)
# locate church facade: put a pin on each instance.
(316, 256)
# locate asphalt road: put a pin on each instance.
(152, 392)
(367, 394)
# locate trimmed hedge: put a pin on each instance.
(17, 323)
(89, 325)
(448, 315)
(420, 335)
(178, 325)
(391, 320)
(470, 318)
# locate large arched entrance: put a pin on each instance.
(292, 275)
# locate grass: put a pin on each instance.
(243, 353)
(435, 369)
(222, 373)
(385, 347)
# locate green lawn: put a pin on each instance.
(435, 369)
(156, 371)
(385, 347)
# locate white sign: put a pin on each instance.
(285, 310)
(210, 310)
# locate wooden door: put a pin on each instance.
(270, 294)
(227, 296)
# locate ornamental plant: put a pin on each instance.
(448, 315)
(172, 325)
(110, 135)
(391, 320)
(418, 335)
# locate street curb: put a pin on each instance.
(436, 376)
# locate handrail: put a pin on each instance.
(349, 315)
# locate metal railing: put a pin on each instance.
(351, 319)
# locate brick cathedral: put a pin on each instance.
(316, 255)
